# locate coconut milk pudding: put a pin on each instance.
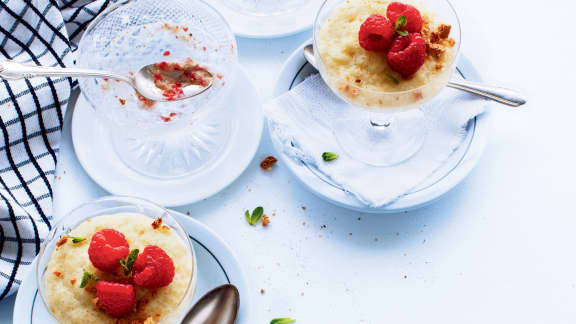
(121, 268)
(385, 54)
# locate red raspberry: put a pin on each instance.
(397, 9)
(376, 34)
(115, 299)
(153, 268)
(407, 54)
(106, 249)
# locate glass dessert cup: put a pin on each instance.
(390, 126)
(115, 205)
(265, 7)
(164, 139)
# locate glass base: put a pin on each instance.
(174, 154)
(382, 141)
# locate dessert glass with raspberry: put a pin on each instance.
(387, 59)
(186, 43)
(117, 260)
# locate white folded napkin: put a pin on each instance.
(301, 121)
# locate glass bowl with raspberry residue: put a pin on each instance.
(387, 125)
(62, 262)
(164, 139)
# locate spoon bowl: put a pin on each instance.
(218, 306)
(143, 80)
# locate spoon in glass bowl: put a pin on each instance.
(143, 81)
(502, 95)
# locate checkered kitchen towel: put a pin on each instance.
(42, 32)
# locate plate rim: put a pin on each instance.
(204, 235)
(249, 150)
(294, 64)
(218, 5)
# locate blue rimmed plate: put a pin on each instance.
(216, 263)
(458, 166)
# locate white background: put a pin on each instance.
(499, 248)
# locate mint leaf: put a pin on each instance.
(402, 32)
(392, 78)
(255, 217)
(401, 22)
(86, 277)
(77, 239)
(282, 321)
(329, 156)
(128, 263)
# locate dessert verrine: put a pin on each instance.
(118, 268)
(385, 54)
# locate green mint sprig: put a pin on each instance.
(282, 321)
(255, 217)
(400, 23)
(77, 239)
(329, 156)
(86, 277)
(128, 262)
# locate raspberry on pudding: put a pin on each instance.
(385, 54)
(121, 268)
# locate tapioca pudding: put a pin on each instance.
(120, 268)
(385, 54)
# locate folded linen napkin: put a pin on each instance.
(301, 121)
(41, 32)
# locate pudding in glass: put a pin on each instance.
(91, 279)
(363, 75)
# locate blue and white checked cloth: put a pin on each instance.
(42, 32)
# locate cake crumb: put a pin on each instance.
(262, 291)
(303, 207)
(268, 163)
(62, 241)
(157, 223)
(72, 281)
(58, 274)
(265, 220)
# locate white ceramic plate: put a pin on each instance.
(94, 151)
(216, 263)
(268, 26)
(443, 180)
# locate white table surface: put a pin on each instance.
(499, 248)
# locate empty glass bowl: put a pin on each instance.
(157, 139)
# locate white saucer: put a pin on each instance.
(216, 263)
(268, 26)
(443, 180)
(94, 150)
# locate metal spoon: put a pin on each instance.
(502, 95)
(142, 82)
(218, 306)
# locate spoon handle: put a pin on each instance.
(502, 95)
(11, 70)
(505, 96)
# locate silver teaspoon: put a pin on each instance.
(142, 82)
(218, 306)
(502, 95)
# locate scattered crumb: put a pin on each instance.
(58, 274)
(323, 227)
(188, 213)
(405, 276)
(72, 281)
(157, 223)
(268, 163)
(350, 234)
(265, 220)
(262, 291)
(62, 241)
(165, 228)
(122, 101)
(303, 207)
